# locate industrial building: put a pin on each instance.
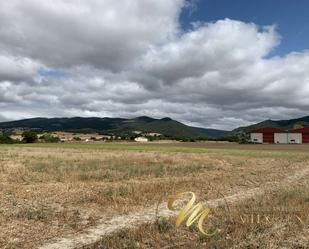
(301, 134)
(265, 135)
(280, 136)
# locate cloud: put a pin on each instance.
(105, 34)
(125, 59)
(226, 46)
(17, 69)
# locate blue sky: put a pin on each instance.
(291, 18)
(51, 73)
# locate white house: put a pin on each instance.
(141, 139)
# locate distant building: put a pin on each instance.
(141, 139)
(137, 132)
(300, 135)
(17, 137)
(280, 136)
(153, 134)
(266, 135)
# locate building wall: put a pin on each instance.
(268, 138)
(305, 137)
(295, 138)
(281, 138)
(257, 137)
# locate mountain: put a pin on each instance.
(211, 133)
(117, 126)
(284, 124)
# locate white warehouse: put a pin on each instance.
(280, 136)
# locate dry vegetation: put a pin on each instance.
(277, 220)
(52, 191)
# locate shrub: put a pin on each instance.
(5, 139)
(29, 136)
(163, 225)
(49, 138)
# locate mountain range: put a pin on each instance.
(123, 126)
(117, 126)
(284, 124)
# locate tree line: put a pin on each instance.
(28, 137)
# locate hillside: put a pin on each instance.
(284, 124)
(211, 133)
(117, 126)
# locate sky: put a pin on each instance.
(208, 63)
(290, 17)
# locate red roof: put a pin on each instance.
(301, 130)
(268, 130)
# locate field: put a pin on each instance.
(111, 195)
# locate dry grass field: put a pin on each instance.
(58, 192)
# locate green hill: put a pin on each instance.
(117, 126)
(284, 124)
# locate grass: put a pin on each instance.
(175, 148)
(52, 190)
(239, 226)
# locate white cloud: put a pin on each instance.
(17, 69)
(131, 58)
(226, 46)
(106, 34)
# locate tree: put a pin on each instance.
(298, 126)
(29, 136)
(5, 139)
(49, 138)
